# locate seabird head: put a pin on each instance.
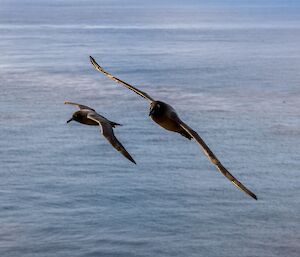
(75, 117)
(155, 108)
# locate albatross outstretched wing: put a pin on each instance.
(215, 160)
(134, 89)
(80, 106)
(108, 133)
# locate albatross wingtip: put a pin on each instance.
(92, 59)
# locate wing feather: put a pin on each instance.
(80, 106)
(134, 89)
(108, 133)
(215, 160)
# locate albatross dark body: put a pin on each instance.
(81, 117)
(165, 116)
(88, 116)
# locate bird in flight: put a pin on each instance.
(165, 116)
(89, 116)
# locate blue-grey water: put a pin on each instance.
(231, 72)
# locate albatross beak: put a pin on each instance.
(69, 120)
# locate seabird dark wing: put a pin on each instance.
(215, 161)
(108, 133)
(80, 106)
(137, 91)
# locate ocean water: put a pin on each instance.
(231, 72)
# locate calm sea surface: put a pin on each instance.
(232, 73)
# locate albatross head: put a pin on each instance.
(75, 117)
(155, 108)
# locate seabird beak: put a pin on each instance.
(69, 120)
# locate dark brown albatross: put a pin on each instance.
(165, 116)
(89, 116)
